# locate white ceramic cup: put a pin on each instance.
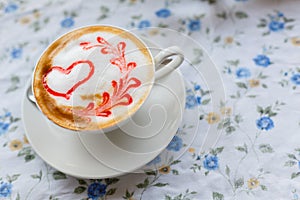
(162, 64)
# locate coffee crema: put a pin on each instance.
(93, 78)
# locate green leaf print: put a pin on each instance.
(160, 184)
(144, 184)
(266, 148)
(79, 190)
(295, 175)
(110, 181)
(111, 191)
(290, 163)
(217, 196)
(57, 175)
(239, 183)
(241, 15)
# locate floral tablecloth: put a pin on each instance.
(255, 46)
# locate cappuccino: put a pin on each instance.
(93, 78)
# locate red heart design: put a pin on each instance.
(67, 71)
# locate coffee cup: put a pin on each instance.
(93, 79)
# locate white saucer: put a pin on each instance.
(66, 153)
(117, 152)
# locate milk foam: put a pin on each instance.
(103, 75)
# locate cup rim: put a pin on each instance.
(116, 123)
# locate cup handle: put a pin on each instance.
(167, 60)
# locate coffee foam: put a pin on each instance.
(95, 72)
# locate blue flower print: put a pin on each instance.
(96, 190)
(276, 26)
(262, 60)
(299, 164)
(295, 197)
(155, 161)
(265, 123)
(10, 8)
(67, 22)
(192, 101)
(7, 114)
(163, 13)
(144, 24)
(5, 189)
(243, 72)
(296, 79)
(275, 22)
(211, 162)
(4, 127)
(16, 53)
(199, 99)
(197, 87)
(194, 25)
(280, 14)
(175, 144)
(229, 71)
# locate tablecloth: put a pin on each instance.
(255, 46)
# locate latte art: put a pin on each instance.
(93, 78)
(57, 80)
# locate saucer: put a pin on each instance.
(120, 151)
(74, 154)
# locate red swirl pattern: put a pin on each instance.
(120, 95)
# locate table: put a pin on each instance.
(252, 148)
